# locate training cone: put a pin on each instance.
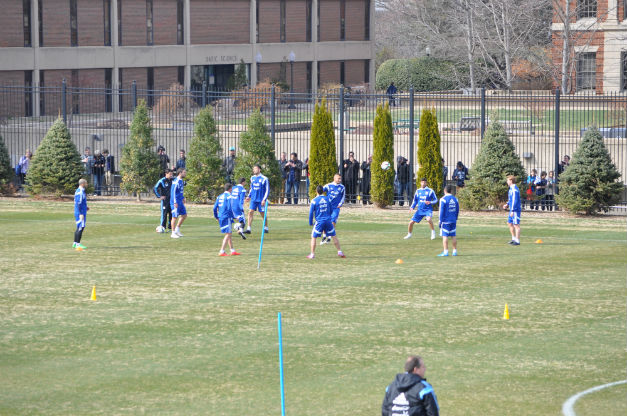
(399, 261)
(506, 312)
(93, 293)
(539, 241)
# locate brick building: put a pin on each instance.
(598, 43)
(110, 43)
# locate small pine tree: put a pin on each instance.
(496, 160)
(429, 155)
(139, 164)
(255, 148)
(322, 161)
(204, 164)
(590, 184)
(382, 183)
(6, 173)
(239, 77)
(56, 166)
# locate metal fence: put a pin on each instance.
(543, 125)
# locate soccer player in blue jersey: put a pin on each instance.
(238, 195)
(424, 198)
(162, 191)
(336, 193)
(449, 211)
(258, 194)
(223, 212)
(80, 214)
(177, 203)
(514, 206)
(321, 210)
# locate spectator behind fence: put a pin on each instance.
(564, 164)
(88, 164)
(444, 174)
(98, 172)
(365, 180)
(164, 160)
(229, 165)
(109, 169)
(282, 163)
(531, 188)
(403, 171)
(409, 393)
(306, 168)
(391, 92)
(182, 160)
(22, 167)
(551, 190)
(293, 168)
(350, 176)
(541, 184)
(460, 174)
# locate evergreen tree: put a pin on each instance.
(496, 160)
(139, 164)
(56, 166)
(6, 173)
(205, 176)
(239, 78)
(429, 155)
(382, 183)
(590, 184)
(255, 148)
(322, 162)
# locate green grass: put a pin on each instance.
(178, 330)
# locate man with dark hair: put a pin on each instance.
(403, 172)
(409, 393)
(564, 164)
(181, 163)
(223, 213)
(424, 198)
(177, 203)
(460, 174)
(229, 164)
(365, 180)
(350, 176)
(109, 170)
(162, 191)
(293, 171)
(258, 195)
(238, 195)
(391, 92)
(98, 172)
(449, 211)
(164, 160)
(320, 210)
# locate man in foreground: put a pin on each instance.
(320, 209)
(80, 213)
(424, 198)
(258, 194)
(162, 191)
(336, 193)
(513, 204)
(177, 203)
(238, 195)
(223, 212)
(449, 211)
(409, 393)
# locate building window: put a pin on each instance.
(318, 27)
(28, 99)
(623, 71)
(181, 75)
(625, 9)
(106, 6)
(342, 19)
(150, 87)
(40, 16)
(149, 31)
(27, 24)
(367, 71)
(120, 23)
(180, 33)
(108, 75)
(122, 93)
(586, 71)
(74, 93)
(367, 21)
(318, 73)
(283, 71)
(283, 20)
(342, 80)
(257, 22)
(73, 23)
(309, 77)
(42, 98)
(586, 8)
(308, 9)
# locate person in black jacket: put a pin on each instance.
(365, 180)
(350, 176)
(162, 191)
(409, 393)
(403, 172)
(98, 170)
(293, 172)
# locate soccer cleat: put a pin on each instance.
(73, 245)
(241, 234)
(311, 256)
(178, 233)
(235, 253)
(515, 243)
(407, 237)
(455, 254)
(175, 235)
(443, 254)
(223, 254)
(79, 245)
(511, 242)
(247, 231)
(433, 235)
(323, 241)
(328, 239)
(342, 255)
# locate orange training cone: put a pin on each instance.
(93, 293)
(399, 261)
(539, 241)
(506, 312)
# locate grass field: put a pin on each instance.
(178, 330)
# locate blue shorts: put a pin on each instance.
(178, 211)
(320, 227)
(225, 225)
(448, 230)
(514, 219)
(418, 216)
(335, 213)
(257, 206)
(80, 224)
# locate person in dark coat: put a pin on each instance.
(403, 172)
(409, 393)
(365, 180)
(350, 175)
(391, 92)
(293, 172)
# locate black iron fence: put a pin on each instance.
(543, 125)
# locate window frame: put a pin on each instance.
(283, 21)
(180, 22)
(73, 22)
(581, 76)
(106, 19)
(367, 21)
(308, 17)
(342, 19)
(587, 9)
(150, 33)
(27, 23)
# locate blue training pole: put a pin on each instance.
(281, 367)
(263, 232)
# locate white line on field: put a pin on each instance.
(567, 407)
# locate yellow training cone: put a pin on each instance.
(506, 312)
(539, 241)
(399, 261)
(93, 293)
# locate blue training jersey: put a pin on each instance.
(238, 194)
(259, 188)
(336, 194)
(222, 208)
(449, 209)
(80, 202)
(420, 197)
(320, 209)
(163, 188)
(176, 192)
(513, 199)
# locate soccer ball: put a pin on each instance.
(160, 229)
(237, 226)
(385, 165)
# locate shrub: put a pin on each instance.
(239, 79)
(322, 160)
(173, 102)
(253, 98)
(255, 148)
(139, 164)
(496, 160)
(429, 155)
(56, 166)
(424, 74)
(590, 184)
(383, 143)
(205, 176)
(6, 173)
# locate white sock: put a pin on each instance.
(516, 240)
(455, 251)
(232, 250)
(221, 251)
(408, 233)
(248, 228)
(177, 229)
(445, 252)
